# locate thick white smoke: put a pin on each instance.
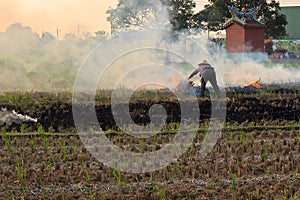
(245, 70)
(9, 117)
(42, 63)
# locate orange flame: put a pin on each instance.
(255, 84)
(175, 79)
(151, 87)
(158, 87)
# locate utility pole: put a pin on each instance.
(57, 33)
(208, 32)
(78, 30)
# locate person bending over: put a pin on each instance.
(207, 73)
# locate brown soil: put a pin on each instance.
(257, 156)
(244, 164)
(54, 111)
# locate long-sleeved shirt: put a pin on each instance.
(203, 67)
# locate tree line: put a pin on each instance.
(181, 15)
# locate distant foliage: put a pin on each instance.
(216, 13)
(139, 14)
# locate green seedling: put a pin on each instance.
(15, 99)
(87, 175)
(7, 97)
(233, 182)
(92, 197)
(162, 193)
(153, 185)
(230, 138)
(142, 144)
(32, 144)
(63, 147)
(101, 97)
(55, 159)
(118, 176)
(46, 142)
(212, 185)
(7, 140)
(265, 154)
(27, 98)
(245, 194)
(19, 170)
(179, 170)
(23, 128)
(285, 196)
(243, 138)
(40, 129)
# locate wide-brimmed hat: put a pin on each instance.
(203, 63)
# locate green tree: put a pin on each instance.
(274, 20)
(181, 14)
(214, 15)
(139, 14)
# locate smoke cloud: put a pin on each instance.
(9, 117)
(30, 62)
(41, 63)
(242, 71)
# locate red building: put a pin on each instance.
(244, 36)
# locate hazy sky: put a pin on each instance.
(65, 15)
(49, 15)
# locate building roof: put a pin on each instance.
(249, 23)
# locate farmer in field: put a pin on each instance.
(207, 73)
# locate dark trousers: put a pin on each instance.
(209, 75)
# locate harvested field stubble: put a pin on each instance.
(54, 111)
(257, 156)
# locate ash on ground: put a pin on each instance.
(9, 117)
